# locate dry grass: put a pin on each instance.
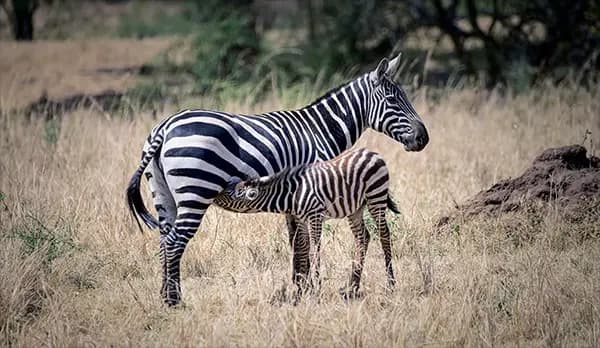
(475, 286)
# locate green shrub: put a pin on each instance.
(224, 50)
(52, 131)
(55, 241)
(182, 22)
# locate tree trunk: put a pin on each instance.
(22, 19)
(311, 21)
(23, 26)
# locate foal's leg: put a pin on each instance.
(377, 211)
(315, 227)
(361, 244)
(300, 245)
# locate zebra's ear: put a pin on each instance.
(377, 74)
(393, 67)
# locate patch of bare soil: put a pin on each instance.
(564, 176)
(104, 102)
(60, 69)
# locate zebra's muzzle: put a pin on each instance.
(418, 139)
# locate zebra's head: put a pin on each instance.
(390, 112)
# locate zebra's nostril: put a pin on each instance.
(422, 137)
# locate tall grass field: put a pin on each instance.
(75, 270)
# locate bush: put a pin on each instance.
(54, 242)
(183, 22)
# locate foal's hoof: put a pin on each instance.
(281, 296)
(390, 288)
(349, 294)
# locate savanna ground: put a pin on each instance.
(75, 271)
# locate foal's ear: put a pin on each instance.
(232, 184)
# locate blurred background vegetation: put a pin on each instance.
(240, 47)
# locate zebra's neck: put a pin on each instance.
(339, 116)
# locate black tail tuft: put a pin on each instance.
(136, 203)
(392, 205)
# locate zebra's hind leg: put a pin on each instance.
(377, 211)
(361, 244)
(186, 225)
(166, 210)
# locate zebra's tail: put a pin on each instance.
(134, 198)
(392, 205)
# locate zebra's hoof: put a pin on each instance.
(172, 297)
(172, 302)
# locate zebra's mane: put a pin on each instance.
(329, 93)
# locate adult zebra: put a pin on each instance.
(190, 157)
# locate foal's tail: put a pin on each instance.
(392, 205)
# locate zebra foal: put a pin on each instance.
(338, 188)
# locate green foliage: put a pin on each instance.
(52, 131)
(327, 229)
(520, 75)
(455, 229)
(54, 241)
(225, 49)
(181, 22)
(370, 223)
(230, 60)
(145, 96)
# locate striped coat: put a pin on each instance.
(338, 188)
(191, 156)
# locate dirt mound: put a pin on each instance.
(565, 176)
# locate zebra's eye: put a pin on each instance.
(251, 194)
(390, 98)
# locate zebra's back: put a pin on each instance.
(344, 184)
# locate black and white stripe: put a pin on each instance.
(341, 187)
(192, 155)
